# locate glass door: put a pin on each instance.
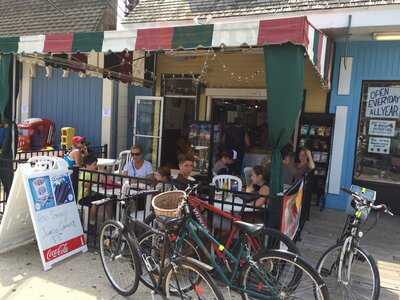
(147, 130)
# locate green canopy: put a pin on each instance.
(5, 65)
(284, 65)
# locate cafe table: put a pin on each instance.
(130, 191)
(106, 164)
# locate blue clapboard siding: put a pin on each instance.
(72, 101)
(134, 91)
(371, 61)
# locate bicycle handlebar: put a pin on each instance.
(369, 204)
(127, 198)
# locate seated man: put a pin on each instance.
(222, 166)
(185, 170)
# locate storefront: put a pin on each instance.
(202, 68)
(366, 95)
(221, 86)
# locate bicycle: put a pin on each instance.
(269, 237)
(119, 246)
(270, 274)
(350, 272)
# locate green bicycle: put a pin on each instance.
(270, 274)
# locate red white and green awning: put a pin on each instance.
(298, 31)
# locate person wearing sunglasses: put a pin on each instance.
(137, 166)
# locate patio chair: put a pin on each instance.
(124, 157)
(226, 182)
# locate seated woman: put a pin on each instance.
(259, 185)
(77, 153)
(137, 167)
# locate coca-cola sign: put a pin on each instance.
(63, 248)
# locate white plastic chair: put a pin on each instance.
(247, 175)
(226, 181)
(124, 157)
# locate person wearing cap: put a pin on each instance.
(78, 150)
(222, 166)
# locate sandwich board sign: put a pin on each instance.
(43, 210)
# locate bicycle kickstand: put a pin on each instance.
(154, 296)
(229, 292)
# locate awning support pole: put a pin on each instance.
(13, 107)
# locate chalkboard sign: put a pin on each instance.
(50, 200)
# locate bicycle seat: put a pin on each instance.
(168, 223)
(252, 229)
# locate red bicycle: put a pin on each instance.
(265, 238)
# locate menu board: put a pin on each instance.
(50, 200)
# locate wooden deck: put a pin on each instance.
(382, 242)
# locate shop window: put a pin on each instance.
(378, 144)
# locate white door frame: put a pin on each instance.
(159, 137)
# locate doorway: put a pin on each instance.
(180, 111)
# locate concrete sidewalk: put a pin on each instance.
(82, 276)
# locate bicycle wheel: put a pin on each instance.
(185, 280)
(119, 258)
(364, 275)
(271, 238)
(151, 244)
(281, 275)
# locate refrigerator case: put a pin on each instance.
(200, 138)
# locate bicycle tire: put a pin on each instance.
(315, 288)
(105, 241)
(184, 263)
(279, 239)
(370, 260)
(145, 236)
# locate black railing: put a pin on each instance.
(94, 186)
(8, 167)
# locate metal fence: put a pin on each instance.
(92, 187)
(9, 166)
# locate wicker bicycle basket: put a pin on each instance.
(168, 204)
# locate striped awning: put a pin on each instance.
(299, 31)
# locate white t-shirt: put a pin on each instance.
(144, 171)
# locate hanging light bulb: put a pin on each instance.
(65, 74)
(49, 71)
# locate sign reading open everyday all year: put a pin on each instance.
(49, 200)
(383, 102)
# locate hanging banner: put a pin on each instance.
(291, 212)
(379, 145)
(46, 211)
(382, 127)
(383, 102)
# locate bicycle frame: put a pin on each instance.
(191, 228)
(196, 203)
